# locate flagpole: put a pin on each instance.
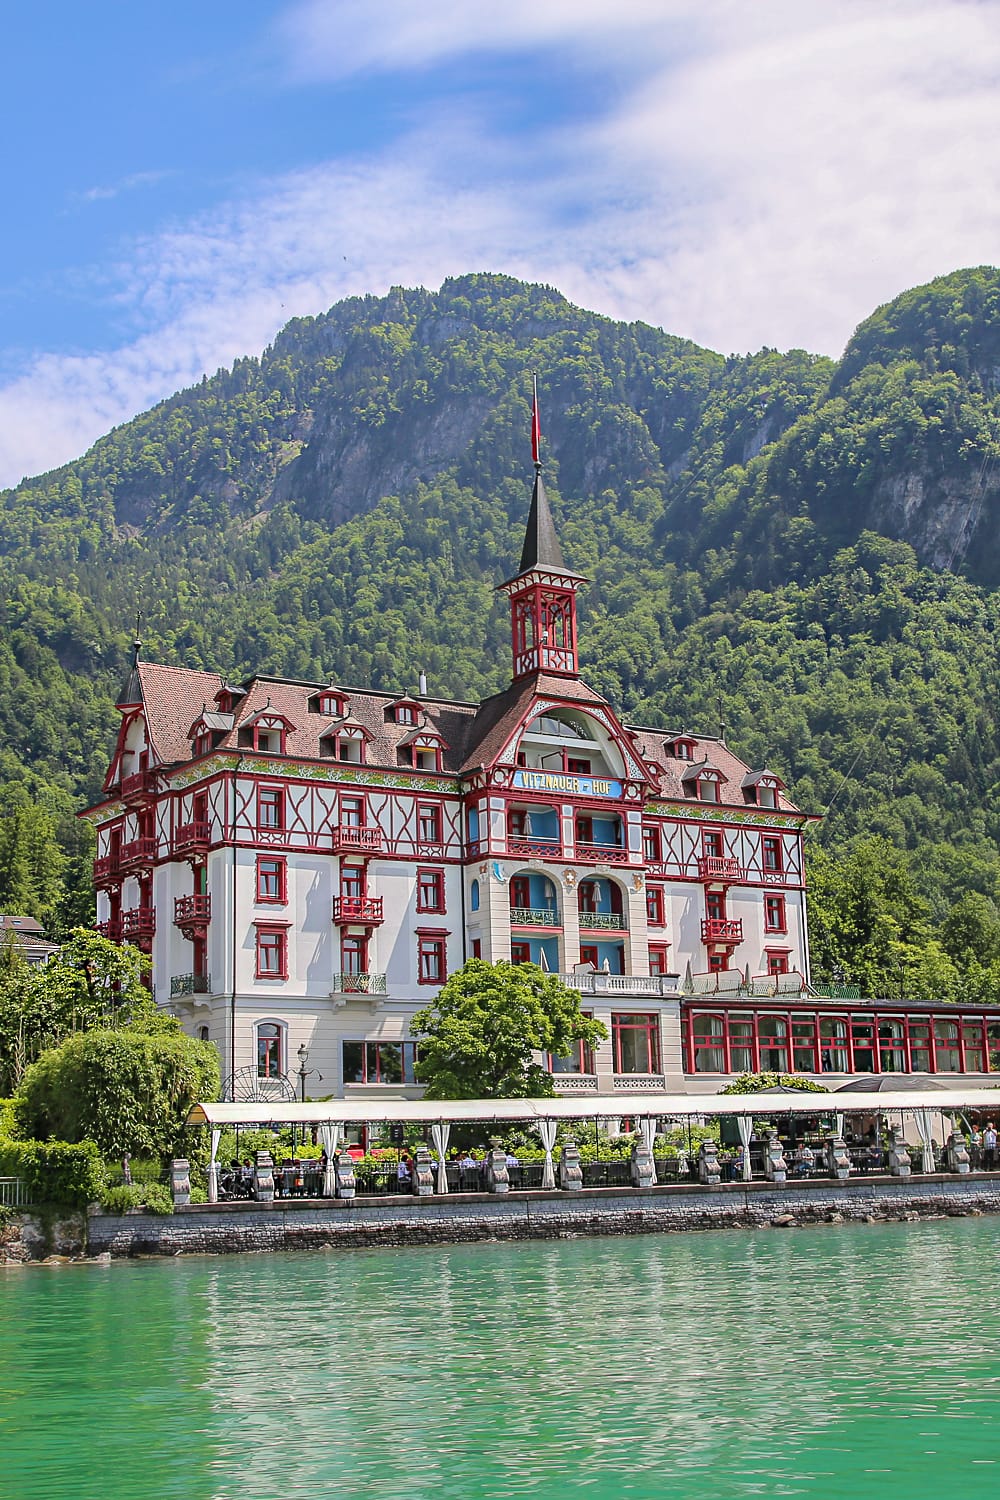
(536, 432)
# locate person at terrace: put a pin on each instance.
(990, 1146)
(404, 1173)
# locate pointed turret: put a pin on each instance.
(541, 544)
(131, 694)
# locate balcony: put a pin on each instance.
(715, 868)
(604, 854)
(358, 984)
(140, 922)
(363, 910)
(192, 911)
(603, 921)
(105, 868)
(190, 984)
(599, 983)
(193, 838)
(722, 930)
(534, 916)
(520, 844)
(140, 784)
(138, 853)
(111, 930)
(348, 839)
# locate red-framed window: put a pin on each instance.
(271, 1048)
(270, 807)
(580, 1059)
(269, 738)
(517, 823)
(352, 812)
(353, 881)
(347, 745)
(430, 890)
(575, 766)
(681, 749)
(635, 1042)
(520, 892)
(585, 829)
(379, 1062)
(715, 906)
(424, 755)
(771, 854)
(651, 845)
(272, 951)
(711, 843)
(777, 961)
(477, 947)
(428, 823)
(331, 704)
(775, 919)
(708, 1042)
(405, 713)
(432, 958)
(655, 906)
(659, 958)
(272, 878)
(520, 953)
(718, 962)
(202, 741)
(353, 954)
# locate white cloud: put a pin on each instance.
(768, 179)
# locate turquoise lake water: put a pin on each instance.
(854, 1361)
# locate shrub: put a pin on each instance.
(55, 1171)
(154, 1196)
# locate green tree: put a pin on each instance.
(127, 1090)
(477, 1038)
(755, 1083)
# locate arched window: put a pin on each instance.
(474, 896)
(271, 1048)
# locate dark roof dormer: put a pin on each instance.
(330, 701)
(405, 710)
(228, 696)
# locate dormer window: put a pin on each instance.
(207, 732)
(202, 742)
(266, 732)
(422, 752)
(702, 781)
(346, 743)
(680, 749)
(405, 713)
(332, 705)
(761, 788)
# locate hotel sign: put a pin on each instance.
(576, 786)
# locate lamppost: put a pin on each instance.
(304, 1073)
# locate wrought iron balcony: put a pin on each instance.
(534, 916)
(358, 984)
(137, 853)
(139, 784)
(105, 868)
(605, 854)
(190, 984)
(193, 838)
(192, 911)
(111, 929)
(518, 843)
(722, 930)
(364, 910)
(608, 921)
(719, 867)
(349, 839)
(140, 922)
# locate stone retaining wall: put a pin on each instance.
(246, 1227)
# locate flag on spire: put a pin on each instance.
(536, 431)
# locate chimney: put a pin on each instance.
(423, 685)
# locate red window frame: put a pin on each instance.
(651, 847)
(272, 798)
(771, 855)
(520, 953)
(655, 906)
(432, 957)
(639, 1024)
(271, 941)
(405, 713)
(583, 829)
(353, 954)
(712, 843)
(269, 729)
(715, 906)
(577, 767)
(352, 812)
(430, 890)
(331, 704)
(371, 1058)
(270, 1049)
(353, 881)
(280, 876)
(428, 823)
(659, 958)
(477, 947)
(775, 917)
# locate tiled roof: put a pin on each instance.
(707, 750)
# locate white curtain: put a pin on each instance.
(922, 1118)
(330, 1135)
(838, 1125)
(213, 1168)
(440, 1133)
(647, 1129)
(746, 1131)
(547, 1131)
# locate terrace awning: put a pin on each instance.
(595, 1106)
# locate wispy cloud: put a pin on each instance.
(125, 185)
(761, 174)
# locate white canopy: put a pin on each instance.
(594, 1106)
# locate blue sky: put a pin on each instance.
(181, 179)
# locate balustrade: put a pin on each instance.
(193, 838)
(138, 852)
(534, 916)
(364, 910)
(605, 854)
(722, 930)
(140, 922)
(190, 984)
(358, 984)
(609, 921)
(350, 839)
(720, 868)
(192, 911)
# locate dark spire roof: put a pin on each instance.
(131, 694)
(541, 544)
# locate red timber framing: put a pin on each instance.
(749, 1037)
(682, 848)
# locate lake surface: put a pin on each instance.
(853, 1361)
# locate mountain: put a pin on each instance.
(806, 549)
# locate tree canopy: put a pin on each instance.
(478, 1036)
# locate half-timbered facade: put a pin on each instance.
(307, 862)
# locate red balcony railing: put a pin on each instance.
(105, 868)
(193, 838)
(720, 867)
(605, 854)
(722, 930)
(111, 929)
(349, 839)
(361, 909)
(138, 784)
(140, 922)
(518, 844)
(192, 911)
(138, 852)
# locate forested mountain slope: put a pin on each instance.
(807, 549)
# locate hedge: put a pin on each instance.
(55, 1171)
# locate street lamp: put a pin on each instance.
(304, 1073)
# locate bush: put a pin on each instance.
(154, 1196)
(55, 1171)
